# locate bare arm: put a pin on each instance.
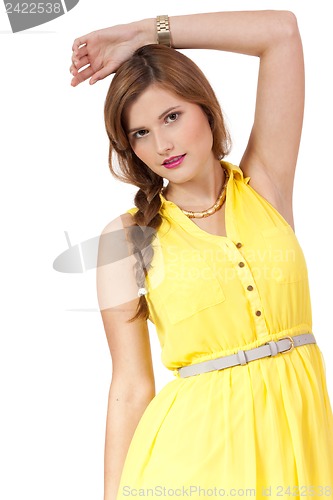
(123, 415)
(271, 154)
(132, 385)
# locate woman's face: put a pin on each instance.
(162, 127)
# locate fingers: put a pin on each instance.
(82, 62)
(78, 61)
(83, 56)
(81, 52)
(102, 73)
(82, 76)
(79, 41)
(73, 69)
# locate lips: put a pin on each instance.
(173, 161)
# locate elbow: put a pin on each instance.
(130, 392)
(287, 24)
(282, 27)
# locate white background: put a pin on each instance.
(55, 366)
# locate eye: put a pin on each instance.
(172, 117)
(139, 133)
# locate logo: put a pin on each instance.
(25, 15)
(114, 248)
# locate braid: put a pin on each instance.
(153, 64)
(147, 220)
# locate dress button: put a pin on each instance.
(238, 245)
(258, 313)
(250, 287)
(241, 264)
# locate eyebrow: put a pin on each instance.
(160, 117)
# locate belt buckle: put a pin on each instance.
(292, 345)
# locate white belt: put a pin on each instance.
(271, 348)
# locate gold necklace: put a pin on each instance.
(217, 205)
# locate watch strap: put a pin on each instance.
(163, 30)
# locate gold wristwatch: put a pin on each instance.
(163, 30)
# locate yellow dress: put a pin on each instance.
(260, 430)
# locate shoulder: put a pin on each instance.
(128, 217)
(120, 222)
(115, 238)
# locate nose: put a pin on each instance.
(163, 143)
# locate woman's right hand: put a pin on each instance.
(106, 49)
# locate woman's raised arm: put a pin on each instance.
(273, 36)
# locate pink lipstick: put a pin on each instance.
(173, 162)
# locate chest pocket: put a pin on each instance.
(283, 257)
(188, 289)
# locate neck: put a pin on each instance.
(198, 194)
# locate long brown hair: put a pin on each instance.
(176, 73)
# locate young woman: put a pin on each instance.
(213, 261)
